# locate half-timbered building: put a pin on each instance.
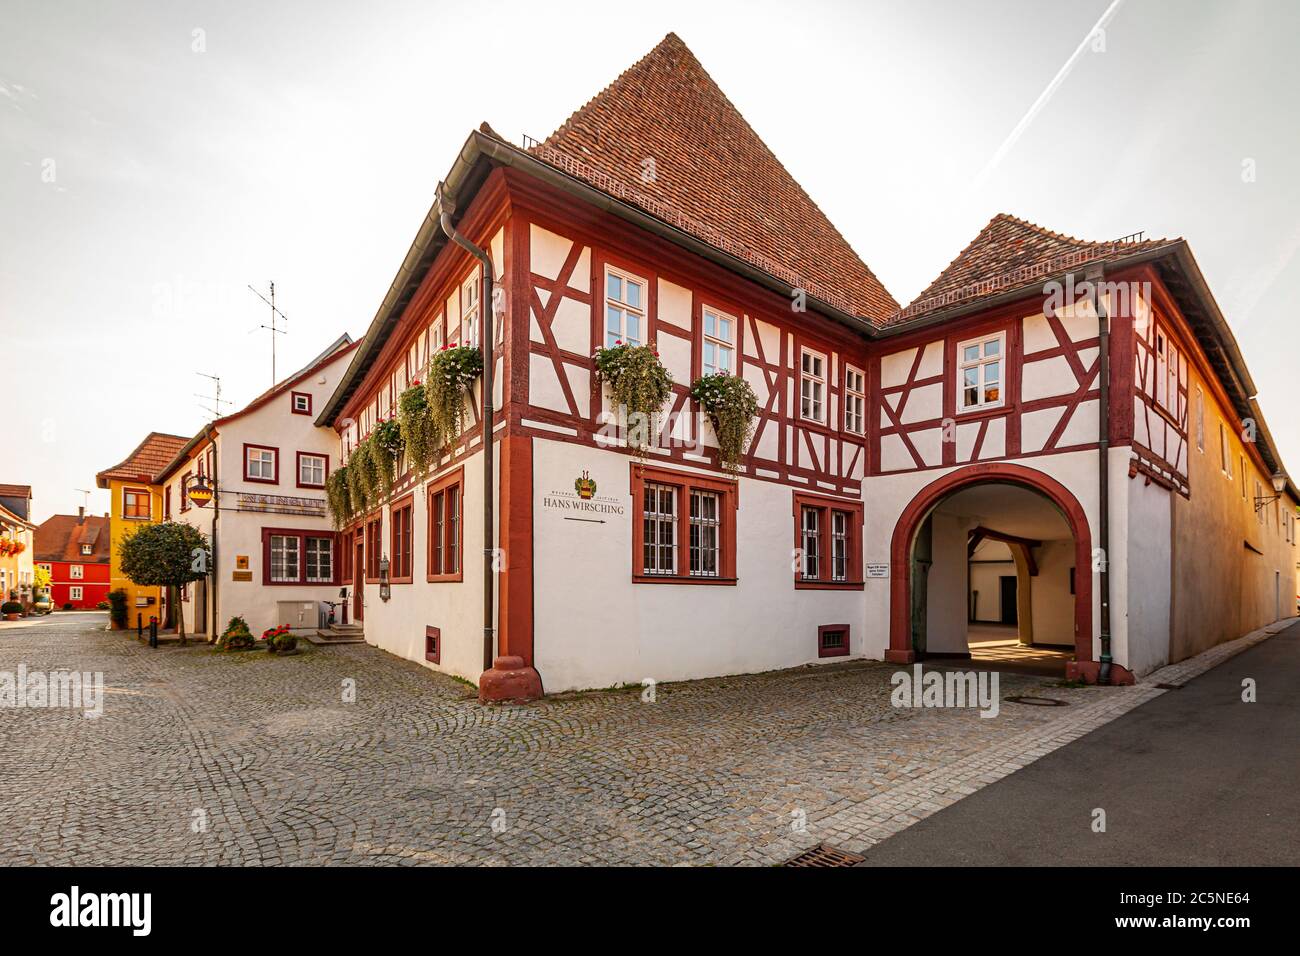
(1025, 444)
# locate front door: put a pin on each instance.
(358, 581)
(1007, 583)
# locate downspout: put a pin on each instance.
(1094, 277)
(216, 516)
(446, 207)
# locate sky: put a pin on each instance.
(157, 158)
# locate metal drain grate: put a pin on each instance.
(823, 855)
(1038, 701)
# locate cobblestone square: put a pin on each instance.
(248, 759)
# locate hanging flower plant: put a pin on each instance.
(419, 434)
(639, 385)
(731, 406)
(339, 496)
(451, 372)
(363, 475)
(386, 445)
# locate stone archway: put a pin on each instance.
(909, 523)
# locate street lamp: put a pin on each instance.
(385, 589)
(1279, 483)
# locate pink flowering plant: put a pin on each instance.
(639, 385)
(732, 407)
(450, 374)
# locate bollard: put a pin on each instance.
(139, 627)
(153, 632)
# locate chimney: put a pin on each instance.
(81, 514)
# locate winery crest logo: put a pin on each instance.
(585, 486)
(583, 503)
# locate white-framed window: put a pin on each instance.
(1200, 419)
(1167, 373)
(87, 548)
(812, 386)
(311, 470)
(1225, 455)
(981, 368)
(284, 557)
(301, 402)
(320, 560)
(855, 399)
(660, 530)
(811, 540)
(719, 353)
(77, 572)
(625, 305)
(74, 593)
(260, 464)
(706, 539)
(470, 293)
(839, 546)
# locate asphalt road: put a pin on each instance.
(1194, 777)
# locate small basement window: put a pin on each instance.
(833, 640)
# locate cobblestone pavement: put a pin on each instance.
(204, 758)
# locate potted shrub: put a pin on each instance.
(386, 446)
(12, 610)
(236, 636)
(451, 373)
(279, 640)
(639, 385)
(731, 406)
(419, 433)
(117, 608)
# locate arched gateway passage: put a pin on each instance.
(912, 547)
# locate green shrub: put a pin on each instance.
(11, 607)
(236, 636)
(117, 608)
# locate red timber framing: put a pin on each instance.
(891, 403)
(820, 456)
(900, 586)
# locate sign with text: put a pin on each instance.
(583, 503)
(877, 570)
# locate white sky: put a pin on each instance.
(304, 145)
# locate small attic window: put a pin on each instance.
(300, 402)
(86, 549)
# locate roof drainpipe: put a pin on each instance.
(1094, 277)
(446, 208)
(508, 677)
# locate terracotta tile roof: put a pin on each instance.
(148, 459)
(61, 536)
(713, 177)
(15, 491)
(1010, 253)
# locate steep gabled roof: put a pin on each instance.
(60, 538)
(147, 460)
(1010, 253)
(665, 138)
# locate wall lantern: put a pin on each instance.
(200, 491)
(1279, 484)
(385, 589)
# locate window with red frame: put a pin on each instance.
(135, 503)
(828, 537)
(167, 503)
(399, 569)
(292, 556)
(684, 527)
(184, 492)
(373, 531)
(445, 503)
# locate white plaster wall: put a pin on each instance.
(1051, 602)
(984, 578)
(397, 625)
(945, 624)
(595, 628)
(1149, 575)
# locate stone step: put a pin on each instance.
(339, 634)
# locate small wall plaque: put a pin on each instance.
(241, 575)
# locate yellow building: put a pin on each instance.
(138, 500)
(16, 543)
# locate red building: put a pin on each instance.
(75, 550)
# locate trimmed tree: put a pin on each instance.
(168, 555)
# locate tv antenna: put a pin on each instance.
(85, 505)
(274, 331)
(217, 401)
